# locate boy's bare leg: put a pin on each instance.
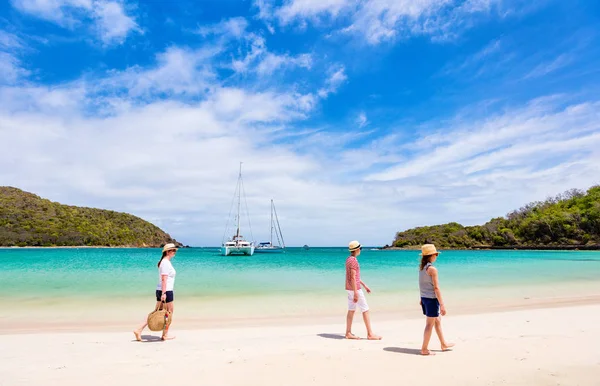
(349, 319)
(370, 334)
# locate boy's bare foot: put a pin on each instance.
(447, 346)
(167, 337)
(427, 352)
(374, 337)
(350, 335)
(138, 335)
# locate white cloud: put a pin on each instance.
(62, 12)
(9, 41)
(303, 9)
(232, 28)
(533, 138)
(362, 120)
(251, 54)
(336, 79)
(383, 20)
(178, 71)
(272, 62)
(11, 67)
(329, 186)
(544, 69)
(111, 23)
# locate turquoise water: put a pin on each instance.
(38, 274)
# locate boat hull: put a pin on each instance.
(269, 250)
(243, 250)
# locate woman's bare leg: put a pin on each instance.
(427, 336)
(165, 335)
(138, 331)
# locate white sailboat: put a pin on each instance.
(237, 245)
(269, 247)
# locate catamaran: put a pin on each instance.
(268, 246)
(237, 245)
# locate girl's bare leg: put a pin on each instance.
(427, 336)
(440, 334)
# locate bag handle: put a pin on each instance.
(161, 306)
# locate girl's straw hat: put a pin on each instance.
(429, 249)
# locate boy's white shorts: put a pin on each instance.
(362, 301)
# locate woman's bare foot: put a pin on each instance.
(374, 337)
(167, 337)
(138, 335)
(447, 346)
(427, 352)
(350, 335)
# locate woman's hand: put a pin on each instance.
(163, 297)
(442, 309)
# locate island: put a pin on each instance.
(27, 220)
(568, 221)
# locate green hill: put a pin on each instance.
(570, 220)
(28, 220)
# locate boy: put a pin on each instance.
(355, 293)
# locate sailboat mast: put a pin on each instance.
(278, 226)
(271, 222)
(239, 201)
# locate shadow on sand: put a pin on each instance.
(332, 336)
(149, 339)
(402, 350)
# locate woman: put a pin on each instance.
(431, 298)
(164, 289)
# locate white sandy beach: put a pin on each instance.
(551, 346)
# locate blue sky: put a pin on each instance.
(359, 117)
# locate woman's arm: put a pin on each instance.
(432, 271)
(163, 282)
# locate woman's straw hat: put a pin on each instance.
(169, 247)
(354, 245)
(429, 249)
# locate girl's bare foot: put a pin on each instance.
(166, 337)
(138, 335)
(447, 346)
(374, 337)
(350, 335)
(427, 352)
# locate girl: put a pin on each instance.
(431, 298)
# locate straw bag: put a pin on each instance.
(160, 318)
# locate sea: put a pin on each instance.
(202, 272)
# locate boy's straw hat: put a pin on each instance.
(354, 245)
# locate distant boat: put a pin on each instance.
(237, 245)
(306, 247)
(269, 247)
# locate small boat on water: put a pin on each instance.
(237, 245)
(268, 246)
